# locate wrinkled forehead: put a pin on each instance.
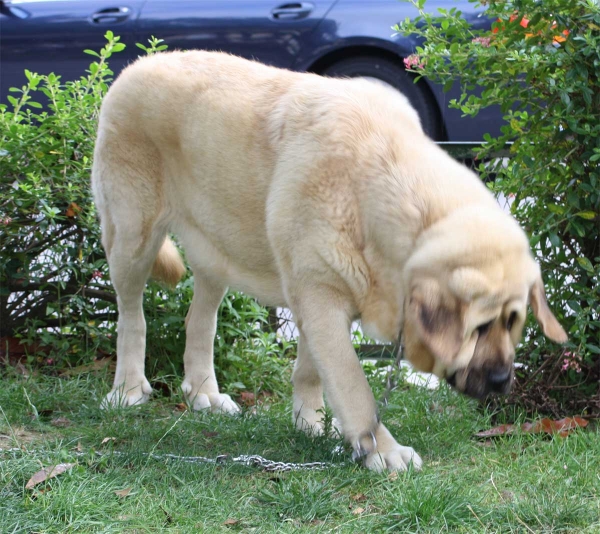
(502, 302)
(510, 276)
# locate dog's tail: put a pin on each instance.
(168, 266)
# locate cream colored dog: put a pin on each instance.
(323, 195)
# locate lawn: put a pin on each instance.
(517, 483)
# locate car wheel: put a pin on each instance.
(394, 75)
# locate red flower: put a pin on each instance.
(413, 61)
(483, 41)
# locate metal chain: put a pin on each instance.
(250, 460)
(272, 466)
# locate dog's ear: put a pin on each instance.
(550, 325)
(438, 319)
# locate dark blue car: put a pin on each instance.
(331, 37)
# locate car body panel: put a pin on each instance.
(50, 36)
(248, 29)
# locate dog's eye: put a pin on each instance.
(482, 329)
(511, 320)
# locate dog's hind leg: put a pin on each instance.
(130, 262)
(200, 384)
(127, 192)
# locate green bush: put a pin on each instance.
(55, 295)
(540, 63)
(52, 268)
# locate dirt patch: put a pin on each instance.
(18, 437)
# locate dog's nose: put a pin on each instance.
(498, 378)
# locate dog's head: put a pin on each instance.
(469, 283)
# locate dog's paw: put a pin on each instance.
(384, 453)
(128, 394)
(396, 459)
(220, 403)
(312, 423)
(215, 402)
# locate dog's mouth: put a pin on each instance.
(478, 384)
(469, 390)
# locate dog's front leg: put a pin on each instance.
(324, 321)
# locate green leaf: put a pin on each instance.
(555, 208)
(554, 239)
(588, 215)
(91, 52)
(118, 47)
(585, 264)
(535, 19)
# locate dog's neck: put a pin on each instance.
(399, 205)
(410, 195)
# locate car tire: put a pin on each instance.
(392, 74)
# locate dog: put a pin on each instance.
(322, 195)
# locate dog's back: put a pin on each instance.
(199, 143)
(190, 107)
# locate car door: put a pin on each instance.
(50, 36)
(354, 27)
(272, 31)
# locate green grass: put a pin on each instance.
(519, 483)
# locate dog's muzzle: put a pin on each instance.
(479, 383)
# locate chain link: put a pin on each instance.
(250, 460)
(272, 466)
